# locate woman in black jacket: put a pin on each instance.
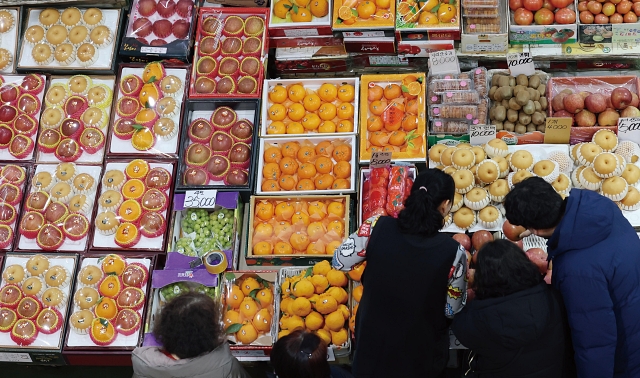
(516, 325)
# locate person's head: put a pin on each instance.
(429, 202)
(189, 326)
(534, 205)
(300, 354)
(502, 269)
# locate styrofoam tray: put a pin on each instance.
(124, 146)
(106, 55)
(98, 157)
(313, 84)
(76, 340)
(54, 340)
(68, 245)
(350, 139)
(108, 241)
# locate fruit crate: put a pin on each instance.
(541, 34)
(287, 27)
(338, 350)
(102, 62)
(125, 340)
(596, 84)
(364, 175)
(412, 146)
(314, 86)
(197, 109)
(311, 141)
(171, 282)
(13, 185)
(10, 39)
(346, 16)
(224, 200)
(124, 128)
(44, 347)
(214, 18)
(623, 32)
(293, 258)
(267, 280)
(411, 17)
(141, 43)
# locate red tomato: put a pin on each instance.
(636, 8)
(565, 16)
(543, 17)
(532, 5)
(561, 3)
(523, 17)
(586, 17)
(547, 4)
(515, 4)
(582, 6)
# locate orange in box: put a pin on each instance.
(365, 14)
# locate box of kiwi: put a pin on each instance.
(518, 106)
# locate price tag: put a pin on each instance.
(200, 199)
(558, 130)
(481, 134)
(629, 129)
(521, 64)
(443, 62)
(380, 159)
(153, 50)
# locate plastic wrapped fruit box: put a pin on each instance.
(366, 15)
(13, 181)
(426, 17)
(312, 19)
(229, 53)
(9, 31)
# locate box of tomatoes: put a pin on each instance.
(392, 116)
(440, 19)
(542, 22)
(607, 21)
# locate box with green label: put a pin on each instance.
(206, 220)
(449, 140)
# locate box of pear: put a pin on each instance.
(593, 102)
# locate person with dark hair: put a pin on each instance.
(193, 343)
(515, 326)
(596, 267)
(303, 354)
(413, 342)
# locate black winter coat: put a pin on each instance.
(522, 335)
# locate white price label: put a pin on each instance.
(15, 357)
(443, 62)
(300, 32)
(380, 159)
(200, 199)
(629, 129)
(481, 134)
(153, 50)
(521, 64)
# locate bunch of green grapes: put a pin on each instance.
(173, 290)
(210, 291)
(186, 247)
(208, 231)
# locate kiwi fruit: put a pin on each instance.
(512, 115)
(503, 81)
(520, 128)
(509, 126)
(513, 104)
(538, 118)
(534, 81)
(500, 113)
(523, 98)
(529, 108)
(524, 119)
(522, 80)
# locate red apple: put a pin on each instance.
(512, 232)
(573, 103)
(585, 118)
(621, 98)
(464, 241)
(595, 103)
(630, 112)
(480, 238)
(539, 257)
(636, 100)
(557, 102)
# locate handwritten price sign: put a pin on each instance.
(629, 129)
(520, 64)
(481, 134)
(558, 130)
(380, 159)
(444, 62)
(200, 199)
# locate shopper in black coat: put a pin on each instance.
(516, 326)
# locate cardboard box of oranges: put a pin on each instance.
(363, 14)
(296, 230)
(310, 107)
(300, 18)
(315, 298)
(392, 116)
(432, 16)
(312, 165)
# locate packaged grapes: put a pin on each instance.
(198, 229)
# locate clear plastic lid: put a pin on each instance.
(481, 12)
(454, 111)
(479, 25)
(460, 97)
(441, 86)
(480, 3)
(449, 126)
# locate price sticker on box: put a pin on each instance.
(380, 159)
(629, 129)
(443, 62)
(200, 199)
(481, 134)
(521, 64)
(558, 130)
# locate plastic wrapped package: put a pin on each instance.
(454, 111)
(229, 53)
(310, 106)
(399, 186)
(132, 206)
(148, 110)
(427, 15)
(109, 301)
(481, 25)
(441, 86)
(71, 38)
(384, 190)
(75, 120)
(218, 147)
(249, 317)
(460, 97)
(58, 210)
(480, 3)
(13, 179)
(20, 106)
(10, 20)
(489, 12)
(479, 75)
(450, 126)
(393, 109)
(308, 225)
(34, 298)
